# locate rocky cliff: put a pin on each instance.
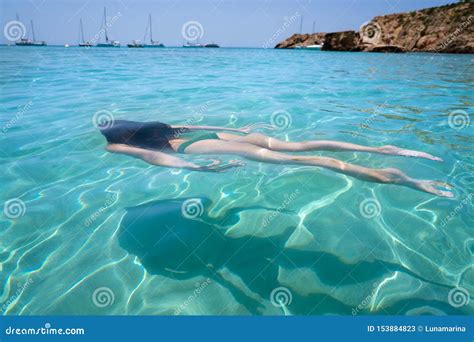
(301, 40)
(447, 28)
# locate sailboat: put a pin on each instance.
(27, 41)
(192, 45)
(108, 43)
(153, 43)
(136, 44)
(84, 43)
(36, 42)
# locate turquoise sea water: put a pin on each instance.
(87, 232)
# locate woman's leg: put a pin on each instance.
(253, 152)
(320, 145)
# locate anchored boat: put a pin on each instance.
(136, 44)
(192, 45)
(108, 43)
(27, 41)
(83, 43)
(153, 43)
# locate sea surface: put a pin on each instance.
(84, 231)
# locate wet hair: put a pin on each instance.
(150, 135)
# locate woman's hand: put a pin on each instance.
(251, 127)
(219, 166)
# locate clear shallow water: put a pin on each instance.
(261, 228)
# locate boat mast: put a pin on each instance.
(314, 24)
(82, 32)
(151, 31)
(105, 26)
(33, 31)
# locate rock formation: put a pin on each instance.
(448, 28)
(301, 40)
(342, 41)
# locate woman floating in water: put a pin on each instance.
(156, 142)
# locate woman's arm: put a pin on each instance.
(166, 160)
(207, 128)
(244, 129)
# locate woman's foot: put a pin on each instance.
(431, 187)
(396, 151)
(395, 176)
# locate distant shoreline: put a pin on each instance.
(442, 29)
(122, 48)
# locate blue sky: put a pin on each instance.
(246, 23)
